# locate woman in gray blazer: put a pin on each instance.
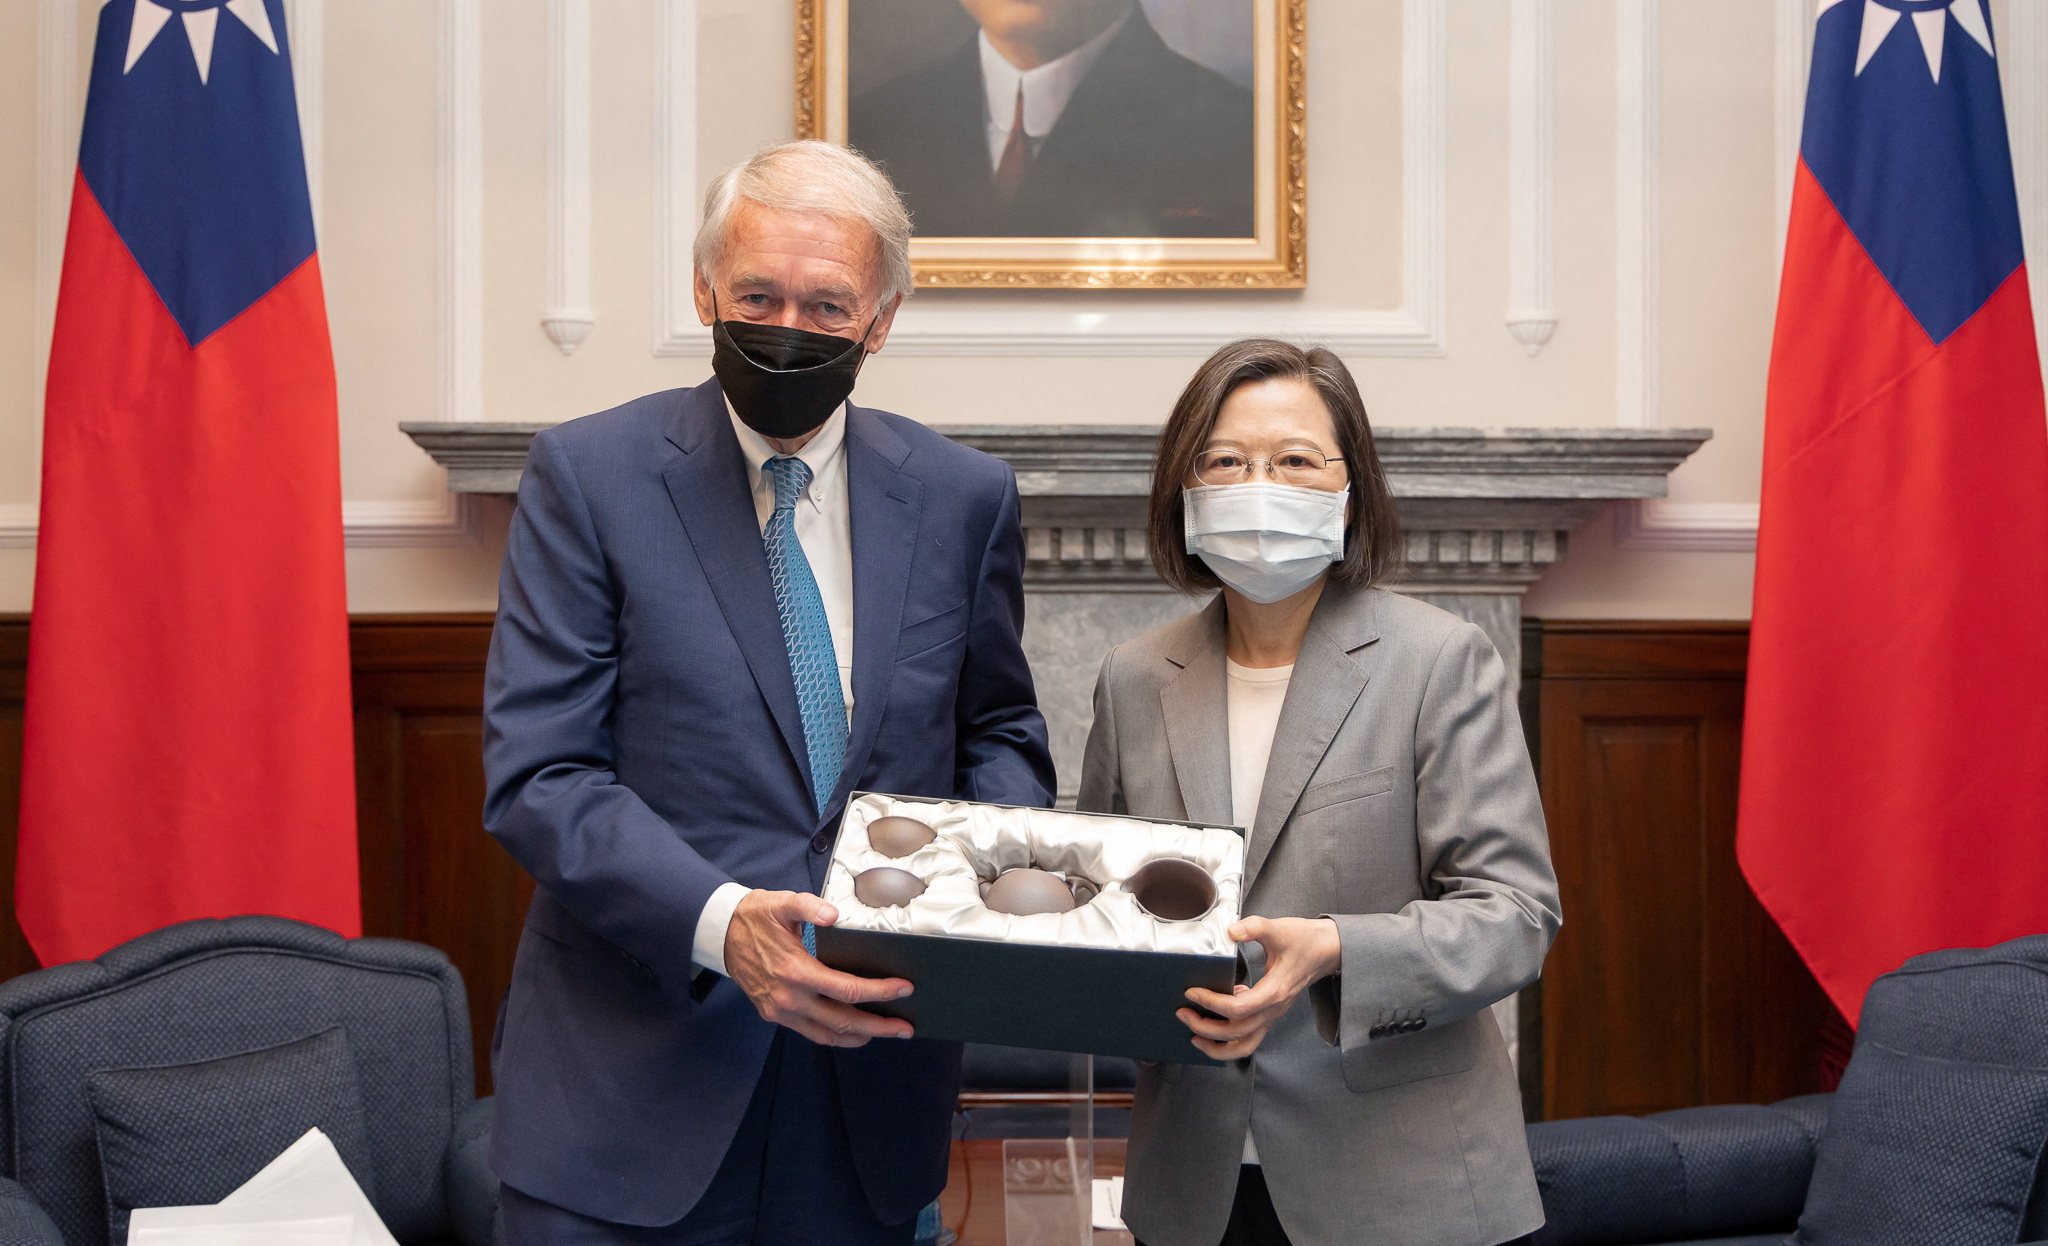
(1397, 874)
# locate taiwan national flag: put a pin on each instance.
(1895, 750)
(187, 739)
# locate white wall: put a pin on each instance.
(1665, 159)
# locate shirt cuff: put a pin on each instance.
(707, 948)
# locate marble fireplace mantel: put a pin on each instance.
(1485, 509)
(1485, 512)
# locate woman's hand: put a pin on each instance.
(1299, 950)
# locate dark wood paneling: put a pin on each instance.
(15, 956)
(430, 873)
(1669, 985)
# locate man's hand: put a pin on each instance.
(1299, 951)
(764, 953)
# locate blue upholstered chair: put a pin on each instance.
(170, 1069)
(1938, 1133)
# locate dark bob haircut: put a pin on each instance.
(1372, 534)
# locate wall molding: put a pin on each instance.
(1691, 527)
(1532, 86)
(461, 209)
(449, 519)
(2023, 46)
(60, 111)
(18, 525)
(931, 327)
(1793, 54)
(567, 317)
(676, 331)
(1658, 523)
(1637, 208)
(305, 28)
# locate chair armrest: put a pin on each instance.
(1675, 1176)
(472, 1186)
(23, 1222)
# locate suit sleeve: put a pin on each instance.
(1102, 788)
(1002, 750)
(1493, 909)
(551, 797)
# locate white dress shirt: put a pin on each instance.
(824, 527)
(1253, 696)
(1046, 90)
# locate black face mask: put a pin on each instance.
(784, 382)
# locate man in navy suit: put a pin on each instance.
(722, 609)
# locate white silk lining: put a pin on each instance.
(976, 842)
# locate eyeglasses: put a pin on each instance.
(1299, 465)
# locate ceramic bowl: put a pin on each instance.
(885, 887)
(1172, 889)
(898, 836)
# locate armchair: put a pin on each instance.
(168, 1020)
(1939, 1132)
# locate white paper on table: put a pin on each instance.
(307, 1184)
(1109, 1202)
(206, 1226)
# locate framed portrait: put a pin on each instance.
(1109, 144)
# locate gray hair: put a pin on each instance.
(817, 178)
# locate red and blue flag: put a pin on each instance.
(1895, 751)
(187, 742)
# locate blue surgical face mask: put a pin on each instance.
(1267, 541)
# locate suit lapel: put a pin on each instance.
(1328, 678)
(707, 484)
(884, 504)
(1197, 722)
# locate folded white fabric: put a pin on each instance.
(304, 1197)
(976, 842)
(263, 1228)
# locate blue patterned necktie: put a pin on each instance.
(806, 632)
(808, 636)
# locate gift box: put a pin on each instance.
(1092, 953)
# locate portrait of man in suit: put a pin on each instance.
(1058, 118)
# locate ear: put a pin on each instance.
(700, 292)
(882, 323)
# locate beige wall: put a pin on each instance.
(1668, 138)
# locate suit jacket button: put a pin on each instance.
(1378, 1031)
(821, 843)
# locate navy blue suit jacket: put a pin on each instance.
(642, 745)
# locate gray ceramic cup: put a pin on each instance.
(1173, 890)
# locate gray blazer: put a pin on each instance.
(1400, 801)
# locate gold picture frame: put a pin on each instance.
(1273, 254)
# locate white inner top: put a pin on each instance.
(976, 842)
(1254, 696)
